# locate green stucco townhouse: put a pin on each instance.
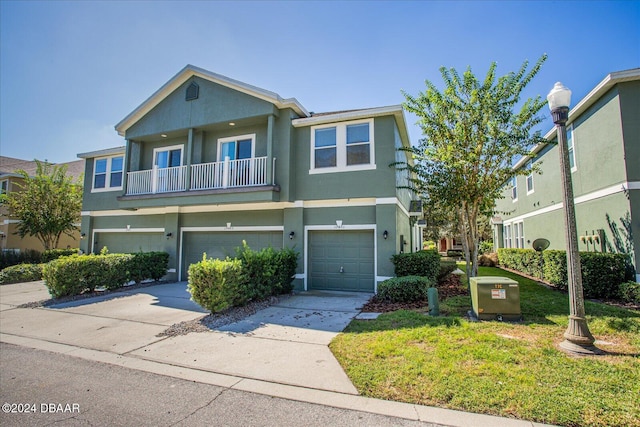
(603, 137)
(210, 161)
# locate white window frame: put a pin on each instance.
(514, 189)
(341, 148)
(507, 236)
(513, 235)
(529, 180)
(108, 172)
(571, 148)
(237, 138)
(168, 148)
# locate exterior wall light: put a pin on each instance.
(169, 234)
(291, 235)
(339, 223)
(83, 235)
(385, 234)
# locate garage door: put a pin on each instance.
(129, 242)
(341, 260)
(223, 244)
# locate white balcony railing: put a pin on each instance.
(204, 176)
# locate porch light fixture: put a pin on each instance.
(169, 234)
(228, 226)
(164, 135)
(83, 235)
(339, 223)
(291, 235)
(578, 338)
(385, 235)
(128, 227)
(232, 124)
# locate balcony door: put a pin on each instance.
(240, 150)
(166, 167)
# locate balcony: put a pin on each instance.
(205, 176)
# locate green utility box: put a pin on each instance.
(495, 298)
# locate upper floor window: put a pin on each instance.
(167, 157)
(236, 147)
(571, 148)
(514, 188)
(342, 147)
(529, 166)
(107, 173)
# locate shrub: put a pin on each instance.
(525, 260)
(454, 253)
(422, 263)
(73, 275)
(602, 273)
(51, 254)
(148, 265)
(446, 268)
(486, 247)
(9, 258)
(488, 260)
(630, 292)
(217, 284)
(404, 289)
(21, 273)
(253, 275)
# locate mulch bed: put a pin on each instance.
(448, 287)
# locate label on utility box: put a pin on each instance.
(498, 294)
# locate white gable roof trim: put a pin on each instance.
(596, 93)
(189, 71)
(102, 153)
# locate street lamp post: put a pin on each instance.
(578, 338)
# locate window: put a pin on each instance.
(237, 147)
(514, 235)
(529, 177)
(507, 236)
(342, 147)
(4, 186)
(571, 148)
(520, 242)
(167, 157)
(107, 173)
(514, 188)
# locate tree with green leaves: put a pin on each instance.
(473, 131)
(47, 205)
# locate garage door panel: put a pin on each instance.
(351, 251)
(129, 242)
(223, 244)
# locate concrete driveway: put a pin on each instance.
(286, 343)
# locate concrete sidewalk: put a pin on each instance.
(280, 351)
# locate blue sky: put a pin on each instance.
(69, 71)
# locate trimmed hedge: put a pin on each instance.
(9, 258)
(454, 253)
(21, 273)
(73, 275)
(602, 273)
(254, 275)
(51, 254)
(216, 284)
(446, 268)
(404, 289)
(422, 263)
(630, 292)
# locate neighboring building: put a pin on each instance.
(210, 161)
(10, 181)
(603, 137)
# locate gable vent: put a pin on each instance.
(192, 91)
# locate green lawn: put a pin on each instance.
(507, 369)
